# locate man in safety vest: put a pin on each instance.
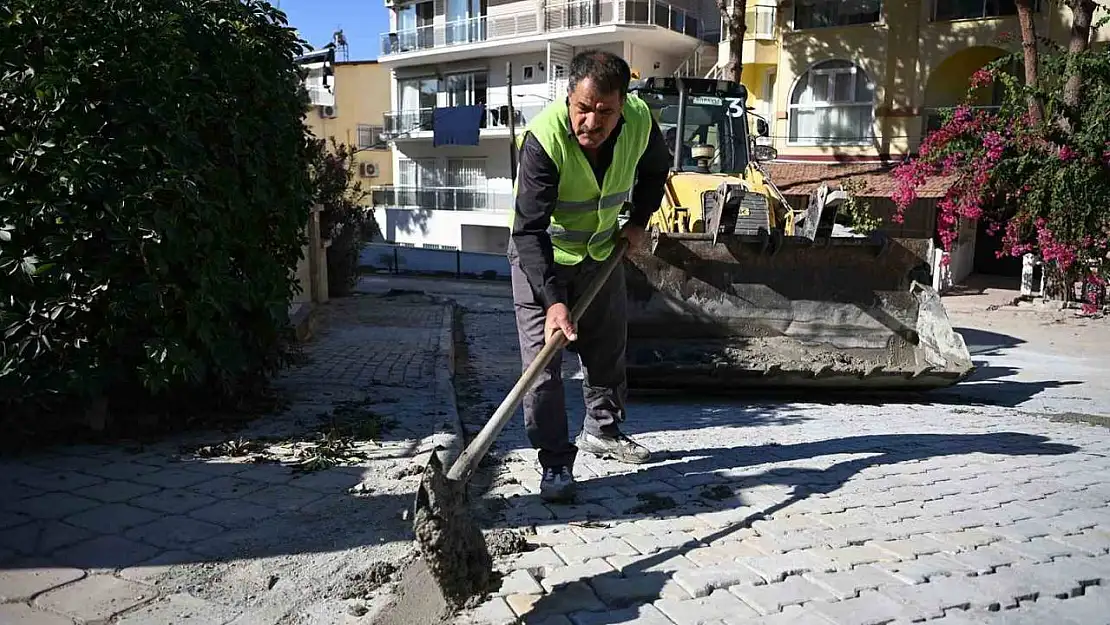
(580, 160)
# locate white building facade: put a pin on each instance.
(448, 53)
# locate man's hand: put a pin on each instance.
(636, 235)
(558, 318)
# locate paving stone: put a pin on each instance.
(620, 592)
(1038, 549)
(281, 497)
(541, 558)
(1093, 541)
(966, 539)
(55, 505)
(231, 513)
(772, 598)
(171, 478)
(921, 570)
(520, 582)
(105, 552)
(1074, 521)
(853, 536)
(120, 471)
(870, 608)
(573, 597)
(793, 541)
(95, 598)
(792, 615)
(117, 491)
(174, 532)
(666, 562)
(227, 487)
(845, 558)
(112, 518)
(21, 614)
(947, 593)
(554, 577)
(173, 501)
(652, 543)
(639, 615)
(986, 559)
(848, 584)
(723, 553)
(1021, 531)
(59, 481)
(21, 584)
(609, 547)
(910, 548)
(704, 580)
(42, 537)
(493, 612)
(1092, 607)
(555, 619)
(179, 607)
(775, 568)
(712, 607)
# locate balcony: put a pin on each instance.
(419, 123)
(760, 21)
(441, 198)
(555, 18)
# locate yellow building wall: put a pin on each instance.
(913, 62)
(362, 96)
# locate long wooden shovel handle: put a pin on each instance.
(468, 460)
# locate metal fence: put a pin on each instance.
(401, 259)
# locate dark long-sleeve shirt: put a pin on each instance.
(538, 189)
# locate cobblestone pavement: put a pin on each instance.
(973, 507)
(149, 536)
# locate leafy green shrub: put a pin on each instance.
(153, 198)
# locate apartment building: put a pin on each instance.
(850, 89)
(446, 54)
(350, 100)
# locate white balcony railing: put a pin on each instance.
(552, 18)
(441, 198)
(404, 122)
(320, 96)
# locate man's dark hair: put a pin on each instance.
(608, 71)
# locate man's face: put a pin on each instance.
(593, 113)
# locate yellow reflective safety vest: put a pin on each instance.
(585, 217)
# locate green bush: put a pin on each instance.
(155, 187)
(345, 218)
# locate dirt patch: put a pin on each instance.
(361, 584)
(653, 503)
(720, 492)
(506, 542)
(1078, 417)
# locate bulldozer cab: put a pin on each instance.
(705, 122)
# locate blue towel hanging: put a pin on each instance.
(457, 125)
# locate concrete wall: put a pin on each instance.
(444, 227)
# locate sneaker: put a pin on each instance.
(619, 447)
(557, 484)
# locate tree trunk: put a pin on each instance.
(1029, 50)
(734, 16)
(1082, 15)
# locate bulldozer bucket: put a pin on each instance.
(719, 311)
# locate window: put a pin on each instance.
(466, 89)
(825, 13)
(418, 93)
(528, 72)
(370, 137)
(975, 9)
(832, 103)
(467, 179)
(465, 21)
(414, 28)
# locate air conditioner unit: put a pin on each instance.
(327, 112)
(368, 170)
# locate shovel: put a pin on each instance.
(451, 542)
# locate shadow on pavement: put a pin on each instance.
(804, 482)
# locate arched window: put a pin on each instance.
(832, 104)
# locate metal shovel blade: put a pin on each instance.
(450, 540)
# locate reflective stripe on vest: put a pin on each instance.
(584, 220)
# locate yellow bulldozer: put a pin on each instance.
(736, 288)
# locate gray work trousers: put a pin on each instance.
(602, 336)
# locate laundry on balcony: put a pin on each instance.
(457, 125)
